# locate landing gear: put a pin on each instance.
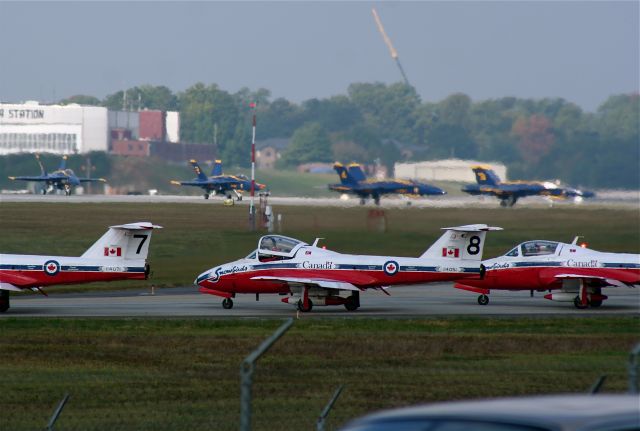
(577, 302)
(353, 302)
(206, 195)
(363, 201)
(4, 300)
(67, 189)
(597, 303)
(508, 202)
(483, 299)
(376, 199)
(301, 306)
(227, 303)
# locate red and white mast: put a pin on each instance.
(253, 165)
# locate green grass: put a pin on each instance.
(178, 374)
(197, 237)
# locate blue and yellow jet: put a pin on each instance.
(62, 179)
(218, 183)
(354, 181)
(509, 192)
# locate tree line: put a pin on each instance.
(535, 138)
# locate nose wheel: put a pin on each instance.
(483, 299)
(227, 303)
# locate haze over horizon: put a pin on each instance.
(583, 52)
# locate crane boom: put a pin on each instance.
(387, 41)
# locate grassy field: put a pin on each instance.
(184, 374)
(197, 236)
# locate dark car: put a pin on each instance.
(540, 413)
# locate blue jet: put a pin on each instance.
(353, 180)
(218, 183)
(62, 179)
(509, 192)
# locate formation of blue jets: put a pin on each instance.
(62, 179)
(352, 181)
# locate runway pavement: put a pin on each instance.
(434, 300)
(619, 200)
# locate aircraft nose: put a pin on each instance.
(199, 281)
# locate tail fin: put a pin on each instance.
(460, 243)
(345, 176)
(355, 170)
(217, 168)
(63, 164)
(196, 168)
(485, 176)
(123, 242)
(43, 171)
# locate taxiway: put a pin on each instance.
(435, 300)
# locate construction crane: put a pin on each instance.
(387, 41)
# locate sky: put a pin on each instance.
(582, 51)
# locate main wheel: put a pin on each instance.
(483, 299)
(240, 197)
(351, 304)
(362, 201)
(4, 300)
(578, 303)
(227, 303)
(503, 203)
(597, 303)
(302, 308)
(206, 195)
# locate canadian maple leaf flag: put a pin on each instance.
(113, 251)
(450, 252)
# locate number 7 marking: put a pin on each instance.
(144, 238)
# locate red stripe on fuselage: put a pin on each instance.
(40, 278)
(240, 282)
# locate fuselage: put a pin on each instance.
(316, 263)
(26, 271)
(518, 271)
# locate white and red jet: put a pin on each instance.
(577, 274)
(309, 275)
(120, 254)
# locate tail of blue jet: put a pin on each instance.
(217, 168)
(486, 176)
(353, 180)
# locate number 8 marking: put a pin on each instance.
(474, 245)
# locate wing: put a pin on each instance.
(592, 280)
(28, 178)
(327, 284)
(87, 180)
(16, 282)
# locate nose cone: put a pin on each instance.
(200, 280)
(432, 190)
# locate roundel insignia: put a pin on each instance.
(51, 267)
(391, 267)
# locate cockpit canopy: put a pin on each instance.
(276, 247)
(534, 248)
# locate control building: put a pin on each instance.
(69, 129)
